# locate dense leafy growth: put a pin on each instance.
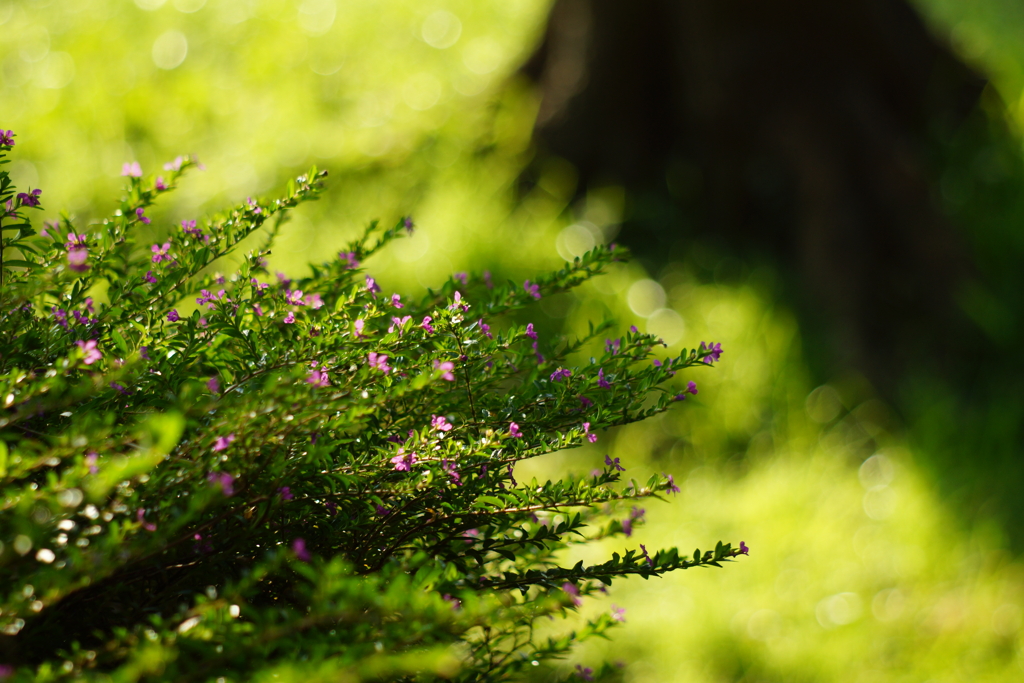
(219, 477)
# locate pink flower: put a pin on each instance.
(586, 431)
(379, 361)
(258, 310)
(224, 480)
(150, 278)
(140, 515)
(399, 324)
(371, 286)
(487, 279)
(348, 259)
(359, 325)
(601, 381)
(160, 184)
(449, 468)
(403, 462)
(440, 423)
(318, 378)
(294, 297)
(530, 332)
(619, 613)
(92, 354)
(446, 369)
(458, 303)
(173, 316)
(485, 329)
(289, 319)
(573, 593)
(513, 430)
(285, 492)
(396, 301)
(223, 442)
(314, 301)
(462, 277)
(77, 257)
(140, 214)
(90, 460)
(426, 325)
(133, 170)
(532, 290)
(213, 384)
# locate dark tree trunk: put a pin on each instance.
(799, 128)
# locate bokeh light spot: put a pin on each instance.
(441, 29)
(170, 50)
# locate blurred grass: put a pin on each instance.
(860, 570)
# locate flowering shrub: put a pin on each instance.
(210, 477)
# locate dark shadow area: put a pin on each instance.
(845, 145)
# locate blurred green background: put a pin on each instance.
(877, 554)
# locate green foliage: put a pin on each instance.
(302, 479)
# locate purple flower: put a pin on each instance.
(633, 329)
(513, 430)
(224, 480)
(150, 278)
(634, 515)
(144, 352)
(584, 402)
(560, 374)
(586, 673)
(711, 353)
(92, 354)
(283, 279)
(223, 442)
(258, 310)
(381, 510)
(379, 361)
(120, 388)
(409, 225)
(532, 290)
(485, 329)
(586, 431)
(60, 316)
(7, 138)
(213, 384)
(426, 325)
(371, 286)
(318, 378)
(510, 475)
(173, 316)
(742, 550)
(285, 492)
(160, 184)
(647, 556)
(440, 423)
(205, 298)
(314, 301)
(141, 215)
(601, 381)
(289, 319)
(612, 346)
(691, 388)
(349, 259)
(30, 198)
(448, 467)
(462, 277)
(133, 170)
(573, 593)
(299, 548)
(614, 463)
(619, 613)
(487, 279)
(671, 488)
(403, 462)
(530, 332)
(294, 297)
(396, 301)
(446, 368)
(160, 252)
(90, 461)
